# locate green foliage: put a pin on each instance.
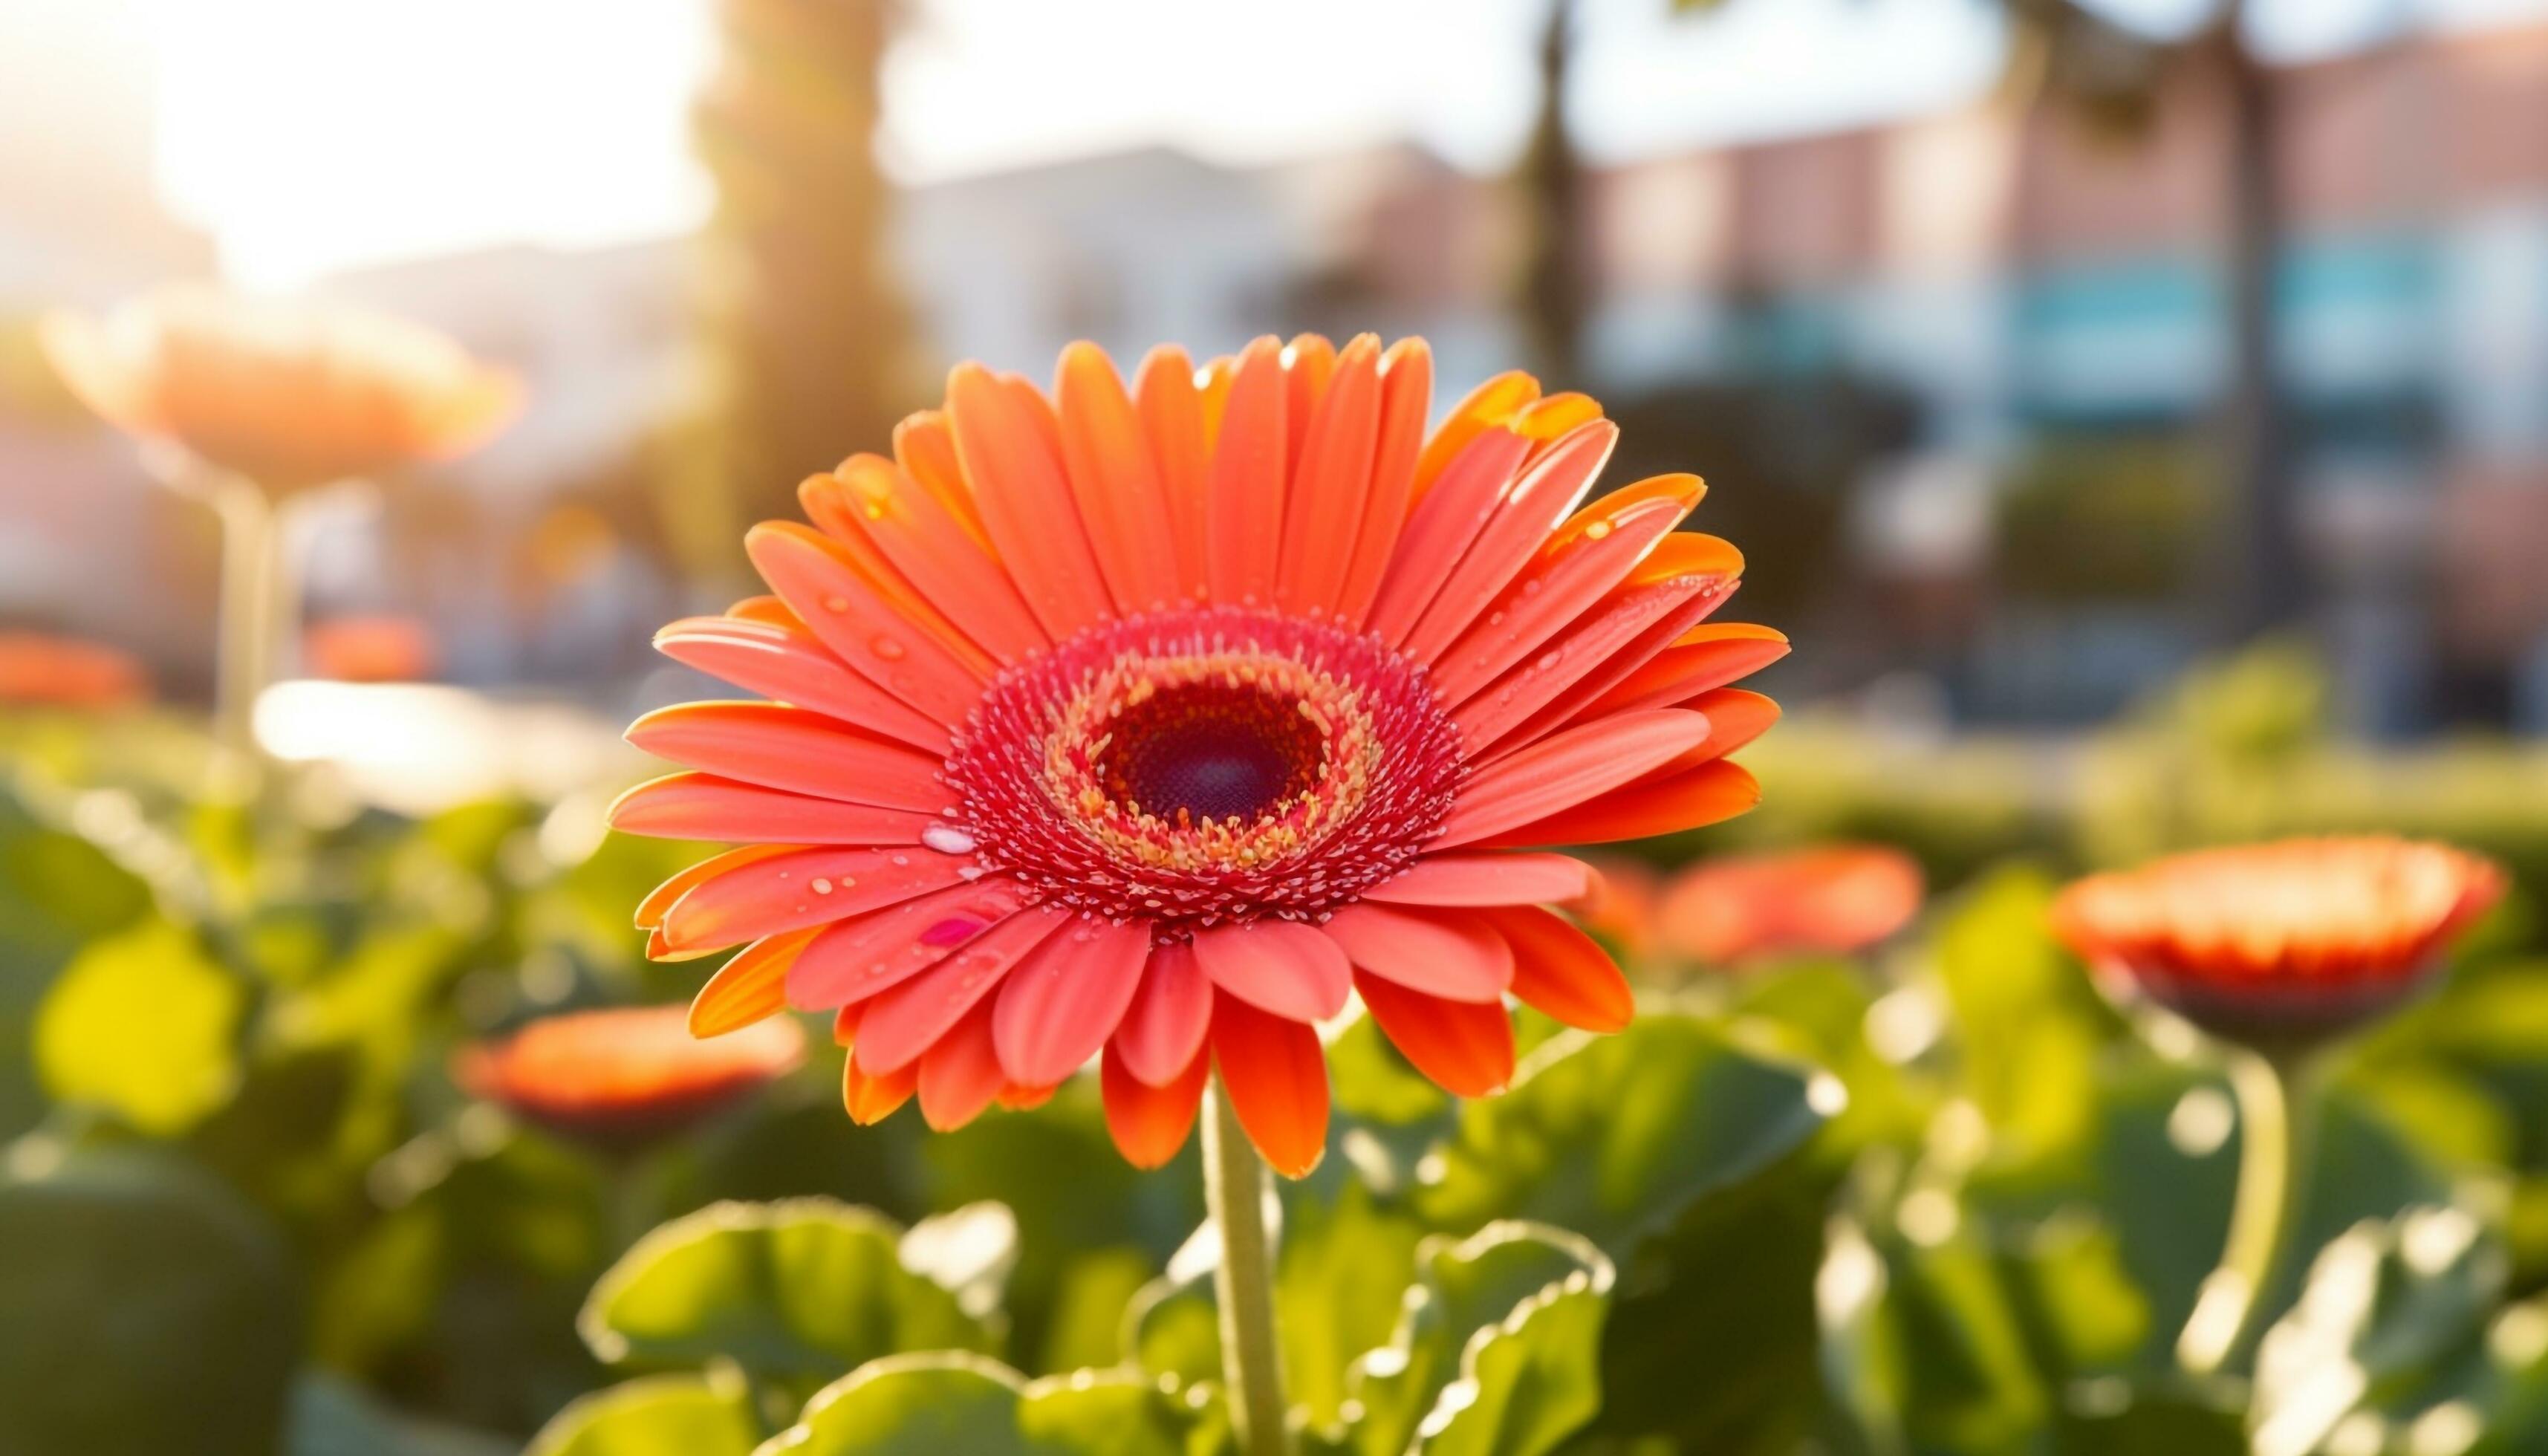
(1613, 1137)
(795, 1293)
(143, 1309)
(926, 1404)
(140, 1024)
(661, 1416)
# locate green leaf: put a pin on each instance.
(941, 1404)
(793, 1292)
(2029, 1025)
(1729, 1288)
(2384, 1303)
(141, 1025)
(1499, 1350)
(331, 1417)
(1616, 1136)
(145, 1310)
(661, 1416)
(1341, 1270)
(1058, 1161)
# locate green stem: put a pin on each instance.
(2277, 1137)
(1251, 1363)
(254, 587)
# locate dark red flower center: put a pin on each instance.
(1207, 764)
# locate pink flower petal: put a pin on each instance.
(1277, 966)
(1061, 1003)
(1455, 957)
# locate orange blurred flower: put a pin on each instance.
(1621, 907)
(625, 1074)
(382, 649)
(2290, 941)
(1830, 900)
(37, 669)
(1151, 721)
(287, 394)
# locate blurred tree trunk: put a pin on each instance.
(808, 345)
(1554, 272)
(2270, 587)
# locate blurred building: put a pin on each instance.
(80, 223)
(2030, 279)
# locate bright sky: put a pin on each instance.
(315, 134)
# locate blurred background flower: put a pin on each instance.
(370, 649)
(620, 1076)
(2136, 410)
(287, 394)
(1828, 899)
(37, 671)
(2284, 943)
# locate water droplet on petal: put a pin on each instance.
(947, 838)
(1597, 530)
(885, 647)
(822, 886)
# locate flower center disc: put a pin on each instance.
(1211, 764)
(1203, 751)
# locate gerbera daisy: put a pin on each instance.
(2278, 949)
(1152, 723)
(38, 669)
(2280, 942)
(286, 393)
(626, 1074)
(1830, 899)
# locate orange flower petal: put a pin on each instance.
(780, 747)
(959, 1074)
(1562, 971)
(1058, 1006)
(782, 660)
(803, 887)
(1490, 405)
(748, 988)
(1276, 1078)
(1593, 554)
(1117, 483)
(867, 954)
(1330, 481)
(1453, 955)
(705, 806)
(924, 445)
(650, 910)
(1164, 1026)
(1707, 656)
(1280, 966)
(810, 573)
(1439, 529)
(906, 1020)
(1148, 1123)
(1464, 1048)
(1243, 511)
(872, 1098)
(1011, 456)
(1406, 397)
(1172, 418)
(1708, 794)
(1567, 769)
(946, 563)
(1498, 878)
(1668, 593)
(1549, 490)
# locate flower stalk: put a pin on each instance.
(2277, 1142)
(255, 587)
(1234, 1189)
